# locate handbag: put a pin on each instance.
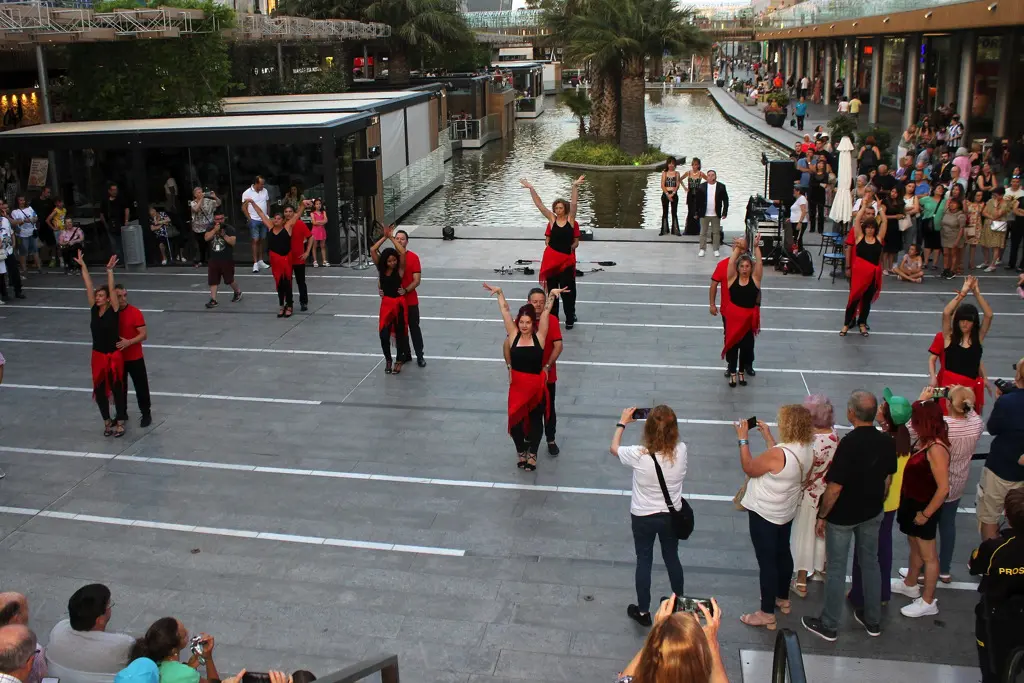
(998, 226)
(927, 225)
(743, 487)
(905, 223)
(682, 519)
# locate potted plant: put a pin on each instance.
(775, 111)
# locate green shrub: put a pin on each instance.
(883, 140)
(603, 154)
(842, 125)
(779, 97)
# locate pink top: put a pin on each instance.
(964, 164)
(71, 236)
(318, 217)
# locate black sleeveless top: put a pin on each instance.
(671, 180)
(744, 296)
(280, 243)
(389, 284)
(527, 359)
(964, 361)
(872, 253)
(104, 330)
(693, 183)
(561, 237)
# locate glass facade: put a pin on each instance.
(894, 70)
(986, 82)
(402, 187)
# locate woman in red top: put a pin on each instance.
(865, 268)
(393, 319)
(962, 334)
(107, 361)
(279, 244)
(924, 490)
(558, 265)
(742, 317)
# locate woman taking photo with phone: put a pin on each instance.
(742, 318)
(527, 381)
(660, 453)
(679, 648)
(770, 496)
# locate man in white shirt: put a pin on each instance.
(257, 230)
(712, 207)
(81, 642)
(798, 215)
(1016, 192)
(24, 219)
(805, 85)
(8, 261)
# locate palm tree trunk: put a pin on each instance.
(398, 66)
(606, 100)
(597, 103)
(633, 134)
(583, 128)
(657, 66)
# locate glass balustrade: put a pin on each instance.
(812, 12)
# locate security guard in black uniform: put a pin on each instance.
(999, 624)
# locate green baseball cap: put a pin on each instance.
(899, 407)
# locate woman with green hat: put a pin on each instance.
(893, 416)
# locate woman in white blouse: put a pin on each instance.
(772, 493)
(808, 549)
(648, 509)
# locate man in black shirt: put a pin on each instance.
(43, 206)
(220, 266)
(851, 507)
(999, 615)
(114, 216)
(884, 181)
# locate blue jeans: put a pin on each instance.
(837, 552)
(116, 244)
(645, 529)
(856, 595)
(947, 534)
(774, 559)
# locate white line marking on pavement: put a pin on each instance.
(487, 298)
(372, 370)
(332, 474)
(238, 533)
(70, 308)
(172, 394)
(464, 359)
(805, 384)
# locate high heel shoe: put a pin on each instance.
(743, 380)
(531, 462)
(732, 380)
(522, 461)
(387, 368)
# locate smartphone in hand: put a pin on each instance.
(684, 604)
(751, 423)
(641, 413)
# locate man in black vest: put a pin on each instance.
(712, 206)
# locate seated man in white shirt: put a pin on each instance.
(81, 644)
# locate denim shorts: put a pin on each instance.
(257, 230)
(27, 246)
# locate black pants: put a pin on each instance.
(284, 292)
(551, 421)
(201, 244)
(415, 332)
(865, 308)
(120, 395)
(997, 638)
(300, 279)
(401, 341)
(741, 356)
(774, 560)
(565, 279)
(526, 435)
(14, 274)
(1016, 240)
(136, 369)
(798, 230)
(665, 204)
(799, 122)
(692, 219)
(68, 253)
(816, 214)
(646, 529)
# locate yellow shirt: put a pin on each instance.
(892, 501)
(855, 105)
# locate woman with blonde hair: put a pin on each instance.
(679, 649)
(771, 496)
(659, 461)
(807, 548)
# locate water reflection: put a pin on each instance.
(482, 186)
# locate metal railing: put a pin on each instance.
(526, 104)
(788, 659)
(386, 665)
(811, 12)
(473, 129)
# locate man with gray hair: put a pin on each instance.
(14, 610)
(851, 508)
(17, 653)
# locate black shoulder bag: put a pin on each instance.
(682, 519)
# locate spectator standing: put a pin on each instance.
(954, 132)
(17, 653)
(8, 260)
(44, 205)
(14, 610)
(798, 216)
(71, 239)
(1016, 229)
(855, 105)
(259, 196)
(221, 266)
(26, 222)
(203, 206)
(998, 213)
(712, 203)
(161, 226)
(132, 332)
(1004, 470)
(800, 109)
(81, 642)
(851, 508)
(659, 467)
(114, 216)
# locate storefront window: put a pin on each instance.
(986, 80)
(894, 69)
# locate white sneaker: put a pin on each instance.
(716, 253)
(701, 253)
(920, 608)
(264, 265)
(256, 267)
(990, 269)
(164, 262)
(897, 586)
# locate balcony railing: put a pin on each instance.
(473, 129)
(812, 12)
(526, 104)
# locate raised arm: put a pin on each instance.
(545, 316)
(506, 314)
(947, 312)
(375, 248)
(883, 225)
(986, 322)
(263, 216)
(574, 197)
(110, 282)
(90, 291)
(730, 274)
(537, 200)
(758, 262)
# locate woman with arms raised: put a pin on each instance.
(679, 649)
(963, 332)
(865, 269)
(279, 244)
(558, 265)
(107, 361)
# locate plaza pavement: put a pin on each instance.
(306, 509)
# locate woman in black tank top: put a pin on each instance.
(694, 177)
(742, 315)
(865, 267)
(279, 246)
(963, 332)
(558, 265)
(392, 320)
(528, 389)
(107, 361)
(670, 179)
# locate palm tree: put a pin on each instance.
(580, 106)
(421, 26)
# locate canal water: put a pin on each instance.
(482, 187)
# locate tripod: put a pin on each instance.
(362, 260)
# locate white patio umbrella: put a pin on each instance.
(842, 204)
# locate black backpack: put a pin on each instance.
(804, 263)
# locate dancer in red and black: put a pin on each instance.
(410, 283)
(279, 243)
(558, 265)
(552, 350)
(132, 332)
(865, 271)
(107, 361)
(959, 346)
(393, 319)
(527, 381)
(742, 317)
(720, 280)
(302, 244)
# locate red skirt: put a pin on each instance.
(862, 275)
(526, 391)
(280, 267)
(392, 309)
(553, 263)
(107, 372)
(739, 321)
(977, 385)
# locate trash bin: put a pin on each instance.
(134, 246)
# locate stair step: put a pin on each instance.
(757, 667)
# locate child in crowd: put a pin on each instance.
(70, 239)
(911, 267)
(160, 224)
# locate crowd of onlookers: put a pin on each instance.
(80, 649)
